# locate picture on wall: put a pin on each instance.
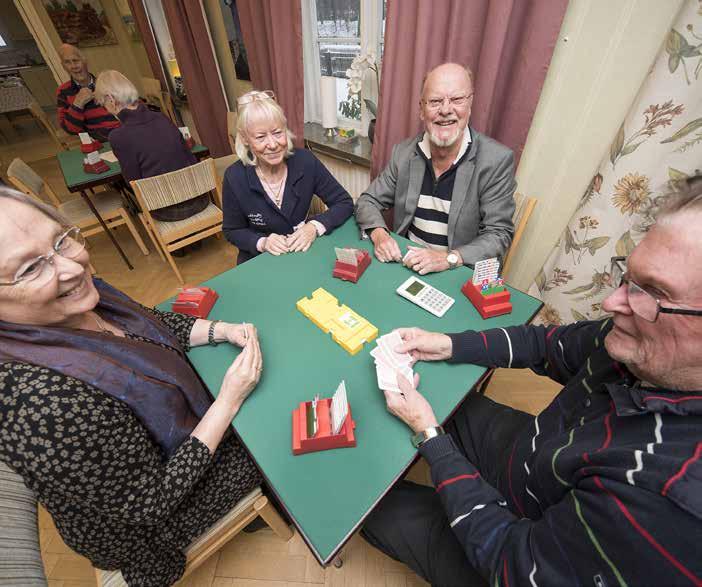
(80, 22)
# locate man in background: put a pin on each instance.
(77, 110)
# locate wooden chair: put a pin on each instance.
(108, 203)
(221, 166)
(231, 129)
(244, 512)
(154, 94)
(62, 139)
(522, 211)
(172, 188)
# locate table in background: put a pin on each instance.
(328, 494)
(77, 180)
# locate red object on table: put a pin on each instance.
(324, 439)
(349, 272)
(99, 167)
(195, 301)
(190, 142)
(488, 306)
(94, 146)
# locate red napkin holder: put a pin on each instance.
(349, 272)
(190, 142)
(324, 439)
(195, 301)
(94, 146)
(99, 167)
(490, 305)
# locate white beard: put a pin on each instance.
(445, 142)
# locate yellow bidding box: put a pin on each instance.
(347, 328)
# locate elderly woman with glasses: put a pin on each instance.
(100, 411)
(268, 192)
(147, 143)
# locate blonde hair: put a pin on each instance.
(45, 209)
(113, 83)
(261, 107)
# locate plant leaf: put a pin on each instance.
(570, 244)
(631, 148)
(673, 62)
(674, 42)
(677, 175)
(541, 280)
(580, 289)
(372, 108)
(624, 245)
(577, 315)
(684, 131)
(593, 244)
(617, 145)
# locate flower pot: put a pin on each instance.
(371, 130)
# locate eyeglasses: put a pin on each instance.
(253, 97)
(41, 269)
(641, 302)
(455, 101)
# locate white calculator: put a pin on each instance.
(425, 296)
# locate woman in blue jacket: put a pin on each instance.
(268, 192)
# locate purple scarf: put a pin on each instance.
(158, 384)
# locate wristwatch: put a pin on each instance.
(453, 260)
(210, 333)
(421, 437)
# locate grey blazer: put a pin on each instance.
(482, 204)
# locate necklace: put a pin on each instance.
(274, 192)
(101, 325)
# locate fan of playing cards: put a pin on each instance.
(388, 363)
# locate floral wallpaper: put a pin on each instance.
(658, 144)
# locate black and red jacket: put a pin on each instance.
(92, 118)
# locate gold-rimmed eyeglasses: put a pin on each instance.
(455, 101)
(41, 269)
(254, 96)
(641, 302)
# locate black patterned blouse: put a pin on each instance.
(96, 469)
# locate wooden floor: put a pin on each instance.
(249, 560)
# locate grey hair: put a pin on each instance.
(113, 83)
(685, 197)
(45, 209)
(264, 107)
(65, 47)
(468, 70)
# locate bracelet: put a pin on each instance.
(210, 333)
(421, 437)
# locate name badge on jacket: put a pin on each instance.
(256, 219)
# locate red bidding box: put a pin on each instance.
(324, 439)
(195, 301)
(94, 146)
(349, 272)
(490, 305)
(99, 167)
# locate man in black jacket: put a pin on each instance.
(604, 487)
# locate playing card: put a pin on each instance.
(388, 343)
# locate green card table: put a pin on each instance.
(77, 180)
(328, 494)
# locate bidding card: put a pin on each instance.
(339, 408)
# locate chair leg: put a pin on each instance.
(173, 265)
(135, 233)
(272, 518)
(154, 241)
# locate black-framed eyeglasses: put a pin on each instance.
(641, 302)
(69, 245)
(456, 101)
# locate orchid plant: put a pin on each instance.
(361, 63)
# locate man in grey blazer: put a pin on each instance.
(452, 188)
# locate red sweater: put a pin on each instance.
(92, 118)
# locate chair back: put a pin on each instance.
(232, 118)
(39, 114)
(26, 180)
(178, 186)
(523, 207)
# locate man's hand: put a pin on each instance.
(423, 345)
(83, 97)
(386, 248)
(425, 261)
(302, 238)
(276, 244)
(410, 406)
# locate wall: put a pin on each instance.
(604, 52)
(127, 56)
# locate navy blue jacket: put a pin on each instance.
(604, 489)
(250, 214)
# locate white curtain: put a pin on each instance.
(310, 62)
(658, 144)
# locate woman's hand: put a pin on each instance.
(302, 238)
(244, 373)
(410, 406)
(236, 334)
(276, 244)
(423, 345)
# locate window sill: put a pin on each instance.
(357, 152)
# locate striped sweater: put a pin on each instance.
(92, 118)
(605, 488)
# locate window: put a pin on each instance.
(334, 33)
(2, 42)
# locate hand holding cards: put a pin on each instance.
(388, 362)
